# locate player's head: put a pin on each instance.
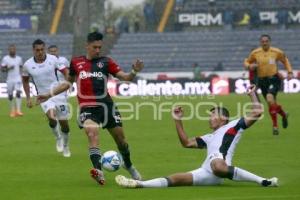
(94, 44)
(38, 47)
(219, 116)
(12, 50)
(265, 41)
(53, 50)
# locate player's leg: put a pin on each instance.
(91, 129)
(65, 134)
(10, 91)
(276, 82)
(50, 111)
(90, 118)
(273, 112)
(265, 85)
(53, 124)
(179, 179)
(118, 134)
(62, 116)
(18, 86)
(112, 122)
(222, 170)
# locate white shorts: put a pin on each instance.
(13, 85)
(203, 177)
(60, 105)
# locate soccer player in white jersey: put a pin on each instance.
(12, 63)
(42, 68)
(220, 145)
(53, 50)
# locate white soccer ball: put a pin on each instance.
(111, 161)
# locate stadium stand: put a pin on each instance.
(177, 52)
(196, 5)
(22, 6)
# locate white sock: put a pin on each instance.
(155, 183)
(12, 105)
(55, 131)
(65, 137)
(18, 104)
(243, 175)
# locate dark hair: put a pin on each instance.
(265, 35)
(52, 46)
(94, 36)
(221, 111)
(38, 42)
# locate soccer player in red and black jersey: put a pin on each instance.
(96, 106)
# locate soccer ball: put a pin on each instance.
(111, 161)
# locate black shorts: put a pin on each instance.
(106, 115)
(269, 85)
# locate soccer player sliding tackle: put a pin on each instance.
(220, 145)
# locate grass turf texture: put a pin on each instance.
(30, 167)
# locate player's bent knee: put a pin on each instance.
(219, 168)
(52, 123)
(92, 133)
(65, 129)
(18, 94)
(10, 97)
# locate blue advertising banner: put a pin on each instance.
(15, 23)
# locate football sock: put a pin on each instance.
(273, 114)
(154, 183)
(11, 105)
(65, 137)
(280, 111)
(55, 129)
(95, 157)
(18, 104)
(243, 175)
(124, 151)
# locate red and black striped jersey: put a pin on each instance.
(91, 79)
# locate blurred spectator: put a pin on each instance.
(94, 27)
(228, 19)
(34, 23)
(179, 5)
(197, 71)
(50, 5)
(219, 66)
(211, 3)
(282, 18)
(122, 24)
(23, 4)
(149, 13)
(136, 23)
(254, 18)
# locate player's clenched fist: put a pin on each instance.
(177, 112)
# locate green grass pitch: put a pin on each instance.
(30, 167)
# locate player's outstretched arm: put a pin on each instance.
(186, 142)
(25, 80)
(63, 86)
(137, 66)
(257, 108)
